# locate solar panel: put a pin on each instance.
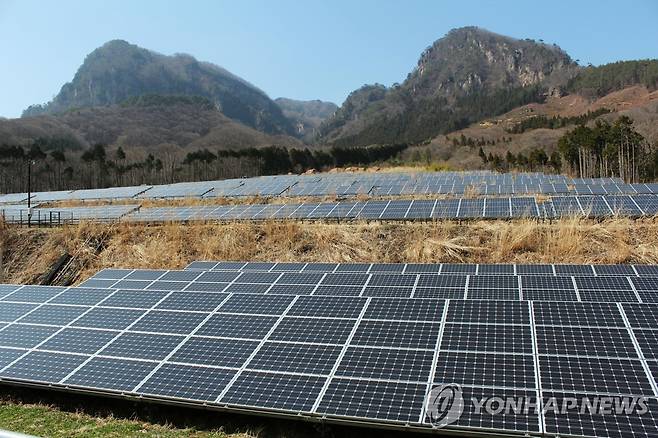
(486, 369)
(342, 357)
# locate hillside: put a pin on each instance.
(119, 70)
(142, 122)
(306, 115)
(463, 77)
(637, 102)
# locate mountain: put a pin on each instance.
(306, 115)
(467, 75)
(119, 70)
(147, 121)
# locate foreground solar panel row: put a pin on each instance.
(429, 268)
(499, 208)
(351, 184)
(342, 358)
(489, 287)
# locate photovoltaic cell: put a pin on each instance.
(216, 352)
(313, 330)
(399, 402)
(237, 326)
(75, 340)
(24, 335)
(295, 358)
(596, 375)
(141, 346)
(487, 338)
(42, 366)
(275, 391)
(188, 382)
(396, 334)
(585, 341)
(111, 374)
(486, 369)
(391, 364)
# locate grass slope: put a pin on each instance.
(29, 253)
(62, 415)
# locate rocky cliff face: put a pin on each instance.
(306, 115)
(118, 70)
(468, 67)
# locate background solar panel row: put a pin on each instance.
(363, 359)
(463, 208)
(476, 183)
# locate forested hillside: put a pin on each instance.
(119, 70)
(467, 75)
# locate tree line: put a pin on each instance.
(602, 150)
(535, 160)
(99, 167)
(555, 122)
(599, 81)
(609, 149)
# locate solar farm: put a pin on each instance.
(457, 195)
(348, 340)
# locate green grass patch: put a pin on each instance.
(43, 420)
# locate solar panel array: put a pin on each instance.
(459, 208)
(103, 213)
(488, 282)
(368, 358)
(481, 183)
(424, 268)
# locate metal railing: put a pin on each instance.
(37, 218)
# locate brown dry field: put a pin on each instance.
(28, 254)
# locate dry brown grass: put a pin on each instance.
(28, 254)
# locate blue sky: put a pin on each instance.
(299, 49)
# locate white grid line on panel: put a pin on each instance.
(582, 211)
(317, 285)
(435, 357)
(273, 282)
(119, 333)
(433, 209)
(608, 205)
(408, 209)
(180, 344)
(638, 206)
(638, 350)
(413, 290)
(339, 359)
(535, 358)
(575, 287)
(256, 350)
(15, 322)
(637, 274)
(518, 278)
(637, 295)
(384, 209)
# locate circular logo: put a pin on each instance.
(444, 404)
